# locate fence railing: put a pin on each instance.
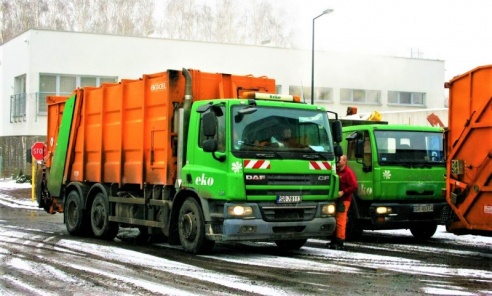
(18, 107)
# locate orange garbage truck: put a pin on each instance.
(176, 154)
(469, 152)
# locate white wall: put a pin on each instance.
(40, 51)
(14, 61)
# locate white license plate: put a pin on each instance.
(289, 198)
(423, 208)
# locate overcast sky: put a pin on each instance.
(455, 31)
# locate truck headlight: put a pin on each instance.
(383, 210)
(328, 209)
(239, 211)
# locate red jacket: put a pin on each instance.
(348, 183)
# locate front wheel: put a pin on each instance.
(295, 244)
(423, 232)
(191, 228)
(101, 226)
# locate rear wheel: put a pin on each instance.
(75, 217)
(191, 228)
(295, 244)
(39, 183)
(101, 226)
(423, 231)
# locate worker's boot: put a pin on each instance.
(336, 244)
(340, 245)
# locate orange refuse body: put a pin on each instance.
(124, 132)
(469, 151)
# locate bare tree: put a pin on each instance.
(225, 21)
(125, 17)
(266, 26)
(180, 20)
(18, 16)
(229, 23)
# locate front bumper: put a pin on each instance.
(406, 215)
(259, 230)
(270, 222)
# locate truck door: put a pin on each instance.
(360, 158)
(207, 162)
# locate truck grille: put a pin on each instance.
(281, 179)
(288, 213)
(252, 192)
(301, 181)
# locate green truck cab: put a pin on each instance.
(257, 184)
(400, 170)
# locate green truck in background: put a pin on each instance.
(400, 170)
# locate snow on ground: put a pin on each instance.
(379, 262)
(30, 203)
(27, 203)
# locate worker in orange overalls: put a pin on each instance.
(348, 186)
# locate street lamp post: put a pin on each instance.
(312, 56)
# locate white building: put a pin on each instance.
(38, 63)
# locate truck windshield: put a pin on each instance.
(409, 147)
(281, 133)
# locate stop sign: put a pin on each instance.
(38, 151)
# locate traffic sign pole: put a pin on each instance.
(33, 179)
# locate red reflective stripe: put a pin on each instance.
(315, 165)
(256, 164)
(327, 165)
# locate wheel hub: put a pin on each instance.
(98, 216)
(188, 226)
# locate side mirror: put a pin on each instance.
(336, 129)
(338, 150)
(209, 123)
(359, 149)
(209, 145)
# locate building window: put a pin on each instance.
(18, 100)
(64, 85)
(88, 81)
(406, 98)
(302, 92)
(360, 96)
(321, 94)
(18, 107)
(67, 84)
(101, 80)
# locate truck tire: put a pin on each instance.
(423, 231)
(295, 244)
(75, 217)
(101, 226)
(191, 228)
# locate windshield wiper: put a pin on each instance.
(311, 156)
(269, 154)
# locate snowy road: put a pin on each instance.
(38, 257)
